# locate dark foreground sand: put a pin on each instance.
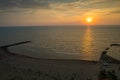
(19, 67)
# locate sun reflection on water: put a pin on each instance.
(87, 44)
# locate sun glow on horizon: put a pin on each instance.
(89, 19)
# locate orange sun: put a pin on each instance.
(89, 19)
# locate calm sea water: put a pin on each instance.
(63, 42)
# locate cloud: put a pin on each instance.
(10, 4)
(88, 4)
(80, 7)
(116, 11)
(14, 6)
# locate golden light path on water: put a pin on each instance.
(87, 44)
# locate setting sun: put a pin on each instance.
(89, 19)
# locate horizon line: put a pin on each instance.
(54, 25)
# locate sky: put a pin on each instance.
(58, 12)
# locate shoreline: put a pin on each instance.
(45, 68)
(5, 49)
(21, 66)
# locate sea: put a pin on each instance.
(63, 42)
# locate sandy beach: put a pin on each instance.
(20, 67)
